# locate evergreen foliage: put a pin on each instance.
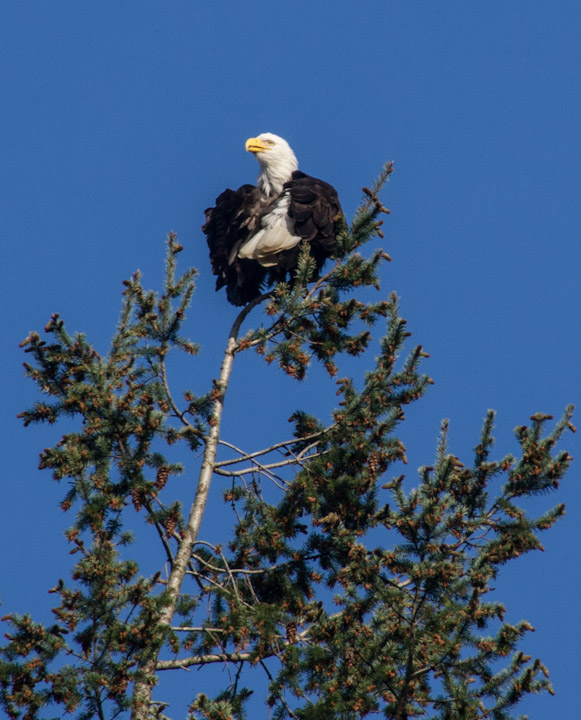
(351, 594)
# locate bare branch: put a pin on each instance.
(204, 660)
(160, 532)
(172, 403)
(249, 456)
(197, 629)
(270, 466)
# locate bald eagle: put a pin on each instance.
(254, 233)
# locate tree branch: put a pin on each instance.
(283, 463)
(203, 660)
(249, 456)
(143, 688)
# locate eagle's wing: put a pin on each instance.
(314, 211)
(228, 225)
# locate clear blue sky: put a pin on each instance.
(121, 121)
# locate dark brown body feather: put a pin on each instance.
(314, 211)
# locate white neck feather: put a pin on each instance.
(274, 173)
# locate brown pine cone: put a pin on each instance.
(161, 478)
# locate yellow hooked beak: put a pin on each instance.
(254, 145)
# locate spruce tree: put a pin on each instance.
(350, 590)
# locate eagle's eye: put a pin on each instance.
(270, 142)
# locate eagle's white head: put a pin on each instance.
(277, 161)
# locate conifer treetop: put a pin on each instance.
(349, 591)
